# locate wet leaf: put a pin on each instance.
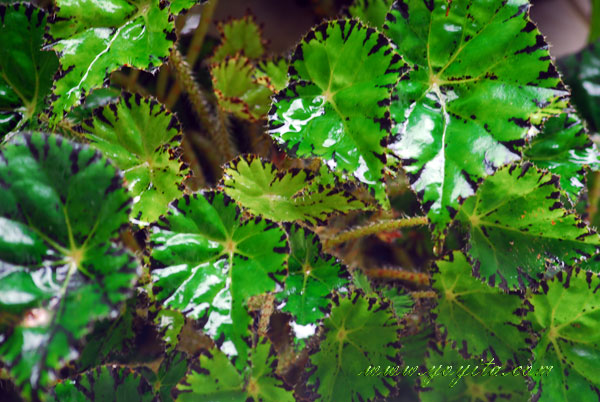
(360, 332)
(94, 39)
(275, 70)
(519, 228)
(565, 314)
(105, 383)
(564, 148)
(142, 138)
(483, 78)
(25, 70)
(242, 36)
(207, 262)
(479, 318)
(371, 12)
(214, 378)
(336, 106)
(283, 196)
(171, 371)
(61, 204)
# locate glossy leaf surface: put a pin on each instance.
(170, 323)
(565, 315)
(564, 148)
(25, 70)
(283, 196)
(482, 77)
(142, 138)
(371, 12)
(239, 36)
(336, 106)
(360, 332)
(94, 39)
(479, 318)
(61, 204)
(519, 228)
(207, 262)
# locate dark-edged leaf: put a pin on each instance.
(25, 70)
(564, 148)
(238, 91)
(371, 12)
(243, 36)
(171, 371)
(313, 275)
(142, 138)
(336, 106)
(94, 39)
(60, 205)
(483, 78)
(479, 318)
(360, 332)
(177, 6)
(97, 98)
(105, 383)
(214, 378)
(402, 303)
(276, 70)
(170, 323)
(565, 316)
(207, 262)
(283, 196)
(519, 228)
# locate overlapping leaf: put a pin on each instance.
(564, 148)
(565, 315)
(483, 76)
(171, 371)
(177, 6)
(60, 205)
(207, 262)
(25, 70)
(105, 383)
(519, 228)
(142, 138)
(336, 106)
(371, 12)
(275, 70)
(241, 36)
(283, 196)
(94, 39)
(479, 318)
(170, 323)
(360, 332)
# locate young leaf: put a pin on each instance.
(565, 315)
(519, 228)
(94, 39)
(564, 148)
(60, 206)
(214, 378)
(283, 196)
(336, 107)
(238, 92)
(142, 138)
(360, 332)
(171, 371)
(313, 275)
(207, 262)
(170, 323)
(371, 12)
(275, 70)
(242, 36)
(479, 318)
(105, 383)
(25, 70)
(483, 77)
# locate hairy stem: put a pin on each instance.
(418, 278)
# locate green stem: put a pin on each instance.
(594, 22)
(385, 226)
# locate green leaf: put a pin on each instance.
(565, 315)
(313, 275)
(336, 106)
(214, 378)
(171, 371)
(481, 319)
(207, 262)
(177, 6)
(283, 196)
(97, 98)
(360, 332)
(61, 204)
(519, 228)
(93, 39)
(482, 78)
(238, 91)
(241, 36)
(371, 12)
(142, 138)
(275, 70)
(564, 148)
(105, 383)
(581, 72)
(25, 70)
(452, 378)
(170, 323)
(402, 303)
